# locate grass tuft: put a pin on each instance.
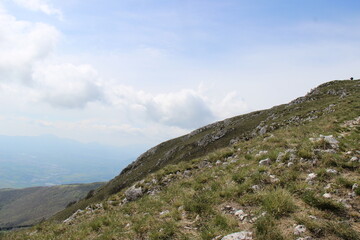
(278, 203)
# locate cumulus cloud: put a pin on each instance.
(231, 105)
(27, 71)
(67, 85)
(39, 6)
(22, 44)
(185, 108)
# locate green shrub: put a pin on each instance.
(314, 226)
(166, 232)
(344, 182)
(238, 177)
(278, 203)
(321, 203)
(343, 230)
(200, 203)
(266, 229)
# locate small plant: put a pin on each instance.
(166, 231)
(314, 226)
(278, 203)
(238, 177)
(265, 229)
(305, 152)
(200, 203)
(344, 182)
(343, 230)
(321, 203)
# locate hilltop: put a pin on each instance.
(289, 172)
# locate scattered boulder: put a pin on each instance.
(331, 171)
(327, 195)
(274, 179)
(355, 186)
(241, 214)
(354, 159)
(261, 153)
(239, 236)
(299, 229)
(164, 212)
(187, 173)
(311, 177)
(280, 157)
(263, 130)
(133, 193)
(264, 162)
(228, 209)
(331, 140)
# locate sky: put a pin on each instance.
(127, 72)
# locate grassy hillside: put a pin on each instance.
(21, 207)
(277, 174)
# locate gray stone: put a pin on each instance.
(239, 236)
(241, 214)
(263, 130)
(311, 177)
(327, 195)
(299, 229)
(266, 161)
(280, 157)
(332, 141)
(133, 193)
(332, 171)
(261, 153)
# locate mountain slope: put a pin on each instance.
(220, 134)
(263, 172)
(22, 207)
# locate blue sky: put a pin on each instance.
(142, 71)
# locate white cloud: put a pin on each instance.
(185, 108)
(39, 6)
(231, 105)
(22, 44)
(67, 85)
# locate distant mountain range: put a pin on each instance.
(48, 160)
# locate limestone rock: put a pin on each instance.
(332, 171)
(299, 229)
(311, 177)
(266, 161)
(327, 195)
(241, 214)
(133, 193)
(239, 236)
(332, 141)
